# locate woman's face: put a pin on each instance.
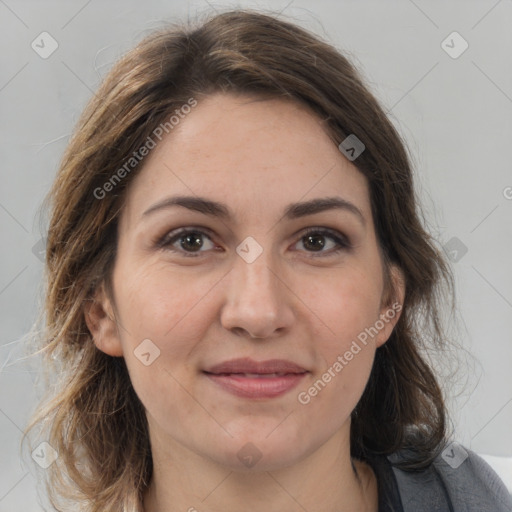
(267, 271)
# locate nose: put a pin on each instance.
(258, 300)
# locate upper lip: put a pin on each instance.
(247, 365)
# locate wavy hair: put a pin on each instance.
(91, 414)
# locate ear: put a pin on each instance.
(100, 319)
(391, 305)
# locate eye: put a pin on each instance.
(315, 238)
(189, 240)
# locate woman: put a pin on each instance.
(239, 287)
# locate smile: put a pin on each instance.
(250, 385)
(247, 378)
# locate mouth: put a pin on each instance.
(257, 380)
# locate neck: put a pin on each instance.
(326, 480)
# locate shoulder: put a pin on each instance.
(457, 480)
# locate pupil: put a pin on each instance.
(196, 243)
(318, 238)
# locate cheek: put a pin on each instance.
(345, 303)
(346, 307)
(155, 305)
(159, 303)
(344, 362)
(167, 308)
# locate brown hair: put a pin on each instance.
(104, 465)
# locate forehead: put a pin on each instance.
(256, 155)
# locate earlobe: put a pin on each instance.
(392, 306)
(100, 320)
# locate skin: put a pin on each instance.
(294, 301)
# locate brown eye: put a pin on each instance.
(316, 240)
(188, 242)
(192, 241)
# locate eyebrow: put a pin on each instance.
(292, 211)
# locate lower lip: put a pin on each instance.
(250, 387)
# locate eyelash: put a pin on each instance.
(169, 239)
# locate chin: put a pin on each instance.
(251, 459)
(264, 450)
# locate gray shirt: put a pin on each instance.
(457, 481)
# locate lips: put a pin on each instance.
(249, 366)
(256, 379)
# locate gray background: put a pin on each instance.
(456, 114)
